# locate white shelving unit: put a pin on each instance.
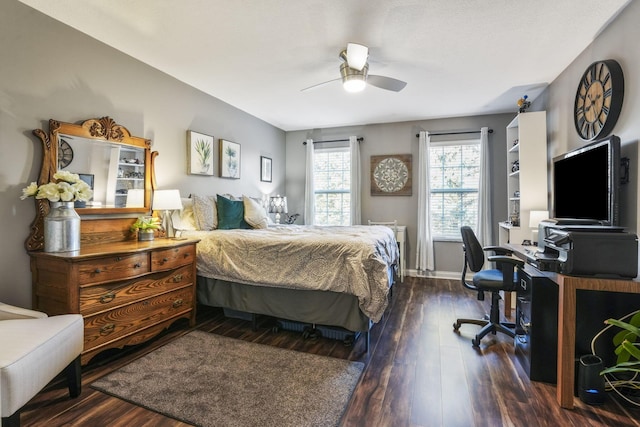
(526, 174)
(130, 176)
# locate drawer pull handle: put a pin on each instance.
(185, 255)
(118, 258)
(177, 278)
(107, 297)
(97, 271)
(177, 303)
(137, 265)
(107, 329)
(165, 260)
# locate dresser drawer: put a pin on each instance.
(94, 299)
(116, 267)
(173, 257)
(120, 322)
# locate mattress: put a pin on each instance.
(351, 260)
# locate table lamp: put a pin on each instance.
(167, 200)
(535, 218)
(278, 205)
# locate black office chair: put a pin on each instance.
(494, 281)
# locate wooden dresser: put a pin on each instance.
(127, 291)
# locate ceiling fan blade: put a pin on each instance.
(387, 83)
(357, 55)
(320, 84)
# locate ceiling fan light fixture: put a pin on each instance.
(354, 84)
(354, 72)
(353, 80)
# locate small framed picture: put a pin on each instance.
(199, 153)
(229, 159)
(265, 169)
(88, 178)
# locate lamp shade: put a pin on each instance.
(278, 204)
(166, 200)
(536, 217)
(357, 55)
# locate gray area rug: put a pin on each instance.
(210, 380)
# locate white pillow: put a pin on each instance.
(205, 212)
(261, 202)
(254, 214)
(184, 219)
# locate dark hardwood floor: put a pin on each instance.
(419, 372)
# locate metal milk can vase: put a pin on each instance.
(61, 228)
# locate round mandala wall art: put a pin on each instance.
(391, 175)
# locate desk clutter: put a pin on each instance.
(583, 247)
(560, 320)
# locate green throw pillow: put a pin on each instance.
(230, 214)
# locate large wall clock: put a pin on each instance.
(65, 154)
(599, 99)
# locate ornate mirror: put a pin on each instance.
(116, 165)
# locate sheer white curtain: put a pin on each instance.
(424, 247)
(309, 188)
(356, 184)
(485, 234)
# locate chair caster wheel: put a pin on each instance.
(475, 342)
(456, 326)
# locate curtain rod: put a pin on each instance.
(360, 139)
(454, 132)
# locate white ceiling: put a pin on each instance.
(459, 57)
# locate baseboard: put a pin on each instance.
(435, 274)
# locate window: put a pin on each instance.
(332, 180)
(454, 180)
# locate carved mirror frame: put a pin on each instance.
(100, 130)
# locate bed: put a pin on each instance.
(330, 276)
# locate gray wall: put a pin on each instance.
(618, 41)
(49, 70)
(400, 138)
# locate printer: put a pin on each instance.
(583, 248)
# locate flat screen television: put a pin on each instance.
(586, 182)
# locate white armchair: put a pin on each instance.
(35, 349)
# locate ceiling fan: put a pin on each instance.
(354, 72)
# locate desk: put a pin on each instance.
(401, 237)
(567, 287)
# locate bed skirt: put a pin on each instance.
(308, 306)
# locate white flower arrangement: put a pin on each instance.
(68, 187)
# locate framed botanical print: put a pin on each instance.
(229, 159)
(199, 153)
(391, 175)
(265, 169)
